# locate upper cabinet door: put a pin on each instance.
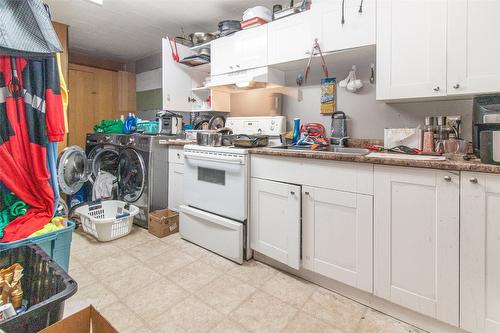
(416, 243)
(275, 221)
(473, 51)
(223, 55)
(480, 253)
(251, 48)
(357, 30)
(337, 229)
(176, 79)
(290, 38)
(411, 48)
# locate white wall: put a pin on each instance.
(367, 117)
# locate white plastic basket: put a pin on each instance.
(100, 220)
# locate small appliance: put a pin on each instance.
(169, 122)
(486, 117)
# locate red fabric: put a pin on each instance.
(23, 166)
(54, 116)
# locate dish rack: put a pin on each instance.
(107, 220)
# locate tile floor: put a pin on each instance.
(145, 284)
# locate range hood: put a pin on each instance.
(261, 77)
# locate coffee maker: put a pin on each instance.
(486, 126)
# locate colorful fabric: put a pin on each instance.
(13, 208)
(31, 115)
(109, 126)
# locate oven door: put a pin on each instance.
(215, 233)
(217, 183)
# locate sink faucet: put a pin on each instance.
(339, 142)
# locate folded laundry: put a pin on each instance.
(109, 126)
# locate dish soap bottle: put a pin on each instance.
(296, 131)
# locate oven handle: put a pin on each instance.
(212, 158)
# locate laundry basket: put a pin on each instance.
(107, 220)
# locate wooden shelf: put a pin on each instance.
(201, 89)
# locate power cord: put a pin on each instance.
(343, 12)
(361, 7)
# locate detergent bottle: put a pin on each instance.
(130, 124)
(296, 131)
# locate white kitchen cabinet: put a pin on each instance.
(245, 49)
(337, 235)
(473, 62)
(275, 220)
(416, 240)
(411, 48)
(357, 30)
(289, 38)
(176, 79)
(175, 177)
(222, 55)
(480, 253)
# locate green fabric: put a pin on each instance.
(109, 126)
(13, 208)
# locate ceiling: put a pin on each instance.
(127, 30)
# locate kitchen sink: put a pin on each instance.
(331, 149)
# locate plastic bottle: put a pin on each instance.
(296, 130)
(130, 124)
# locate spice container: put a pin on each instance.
(429, 132)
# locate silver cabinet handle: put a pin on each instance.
(436, 88)
(238, 66)
(230, 67)
(306, 193)
(178, 155)
(447, 178)
(456, 86)
(292, 192)
(473, 180)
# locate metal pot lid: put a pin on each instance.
(72, 169)
(131, 175)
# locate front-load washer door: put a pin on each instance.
(72, 169)
(104, 158)
(131, 175)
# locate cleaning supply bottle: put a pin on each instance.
(296, 130)
(130, 124)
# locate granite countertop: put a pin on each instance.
(177, 142)
(473, 165)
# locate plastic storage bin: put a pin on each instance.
(45, 285)
(108, 219)
(56, 244)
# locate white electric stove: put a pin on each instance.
(216, 191)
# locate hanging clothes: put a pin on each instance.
(31, 116)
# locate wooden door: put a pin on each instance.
(473, 63)
(81, 107)
(480, 253)
(289, 38)
(275, 220)
(337, 235)
(411, 48)
(416, 243)
(175, 186)
(357, 30)
(93, 98)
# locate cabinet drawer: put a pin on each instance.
(335, 175)
(176, 155)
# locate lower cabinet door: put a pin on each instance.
(416, 240)
(480, 253)
(337, 235)
(175, 186)
(275, 220)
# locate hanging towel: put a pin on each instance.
(103, 186)
(26, 29)
(30, 116)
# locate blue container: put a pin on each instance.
(56, 244)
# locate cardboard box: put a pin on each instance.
(163, 223)
(88, 320)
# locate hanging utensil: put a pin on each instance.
(301, 79)
(173, 49)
